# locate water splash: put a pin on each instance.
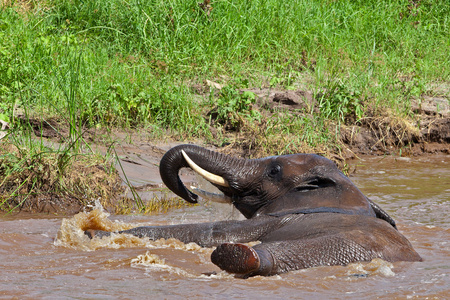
(148, 259)
(71, 233)
(375, 267)
(153, 263)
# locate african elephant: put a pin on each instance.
(302, 209)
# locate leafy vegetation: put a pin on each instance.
(231, 106)
(144, 64)
(133, 62)
(36, 178)
(340, 103)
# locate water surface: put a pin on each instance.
(48, 257)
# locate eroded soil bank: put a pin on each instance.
(380, 132)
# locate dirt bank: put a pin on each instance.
(426, 133)
(380, 132)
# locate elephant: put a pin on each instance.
(301, 208)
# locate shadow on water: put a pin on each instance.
(48, 258)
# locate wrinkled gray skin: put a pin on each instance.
(304, 211)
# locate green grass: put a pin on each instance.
(134, 63)
(36, 178)
(140, 64)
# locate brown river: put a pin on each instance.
(49, 257)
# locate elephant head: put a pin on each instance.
(277, 185)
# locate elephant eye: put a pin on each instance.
(274, 171)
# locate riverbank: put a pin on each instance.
(121, 167)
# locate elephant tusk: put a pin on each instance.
(205, 174)
(214, 197)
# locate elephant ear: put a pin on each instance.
(381, 214)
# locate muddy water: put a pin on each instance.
(50, 258)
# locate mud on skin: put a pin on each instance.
(303, 210)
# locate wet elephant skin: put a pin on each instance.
(303, 210)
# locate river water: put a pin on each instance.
(48, 257)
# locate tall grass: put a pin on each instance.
(132, 63)
(143, 63)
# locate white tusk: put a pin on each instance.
(218, 198)
(205, 174)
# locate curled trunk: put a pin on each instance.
(213, 162)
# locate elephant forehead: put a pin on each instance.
(304, 162)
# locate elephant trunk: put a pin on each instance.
(220, 169)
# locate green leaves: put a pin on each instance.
(141, 60)
(233, 105)
(340, 102)
(4, 117)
